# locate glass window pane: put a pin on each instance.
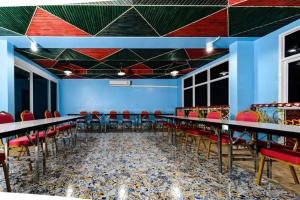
(188, 82)
(219, 71)
(219, 93)
(22, 92)
(294, 82)
(292, 44)
(201, 95)
(40, 96)
(188, 97)
(53, 96)
(201, 77)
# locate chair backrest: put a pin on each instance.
(126, 114)
(180, 113)
(157, 114)
(113, 114)
(214, 115)
(57, 114)
(248, 116)
(6, 117)
(145, 114)
(26, 115)
(83, 113)
(48, 114)
(96, 114)
(193, 114)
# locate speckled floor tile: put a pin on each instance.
(139, 166)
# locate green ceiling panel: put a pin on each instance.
(102, 66)
(7, 32)
(150, 53)
(180, 2)
(169, 18)
(157, 64)
(85, 64)
(129, 24)
(16, 19)
(243, 19)
(47, 53)
(124, 55)
(177, 55)
(30, 55)
(121, 64)
(89, 18)
(70, 54)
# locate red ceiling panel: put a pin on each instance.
(74, 68)
(97, 54)
(138, 69)
(44, 23)
(210, 26)
(46, 62)
(185, 71)
(201, 53)
(232, 2)
(268, 3)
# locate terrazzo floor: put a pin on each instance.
(139, 166)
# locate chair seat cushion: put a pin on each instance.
(197, 132)
(51, 133)
(63, 127)
(264, 144)
(21, 141)
(282, 154)
(2, 157)
(226, 139)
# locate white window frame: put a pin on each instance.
(31, 69)
(208, 82)
(283, 66)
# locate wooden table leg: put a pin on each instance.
(230, 153)
(220, 164)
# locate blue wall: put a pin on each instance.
(266, 56)
(89, 95)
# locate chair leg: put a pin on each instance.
(260, 170)
(6, 177)
(198, 145)
(28, 154)
(208, 149)
(293, 172)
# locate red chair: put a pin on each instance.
(20, 145)
(126, 120)
(159, 122)
(96, 120)
(113, 119)
(249, 116)
(64, 130)
(5, 171)
(145, 120)
(200, 135)
(51, 133)
(83, 122)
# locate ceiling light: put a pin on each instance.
(33, 46)
(121, 73)
(292, 50)
(209, 47)
(223, 73)
(174, 73)
(68, 72)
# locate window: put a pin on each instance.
(219, 93)
(188, 97)
(211, 87)
(40, 96)
(290, 67)
(53, 96)
(22, 92)
(201, 95)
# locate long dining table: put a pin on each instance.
(255, 127)
(12, 129)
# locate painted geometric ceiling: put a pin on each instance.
(136, 63)
(142, 18)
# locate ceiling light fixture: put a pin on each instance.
(121, 73)
(68, 72)
(224, 73)
(210, 45)
(33, 46)
(174, 73)
(293, 50)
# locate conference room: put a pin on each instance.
(145, 99)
